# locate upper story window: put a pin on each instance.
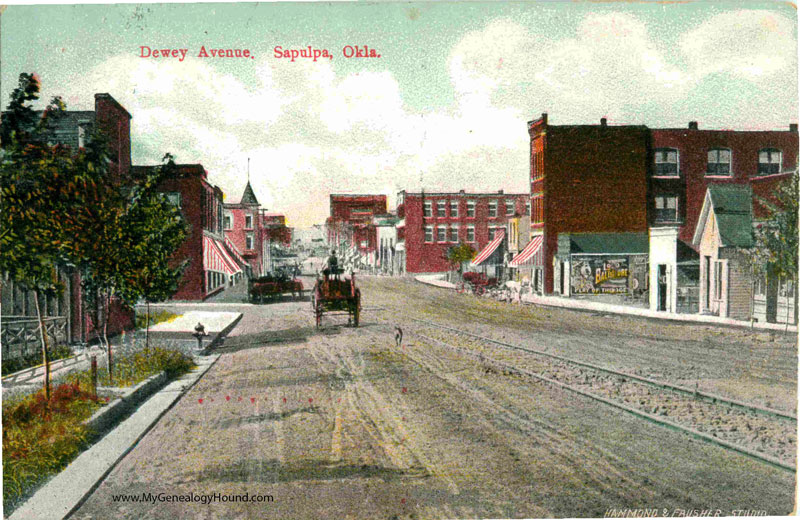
(427, 208)
(470, 208)
(454, 233)
(428, 233)
(248, 221)
(492, 208)
(510, 208)
(769, 161)
(528, 208)
(441, 208)
(471, 233)
(228, 221)
(666, 208)
(453, 208)
(249, 241)
(174, 198)
(719, 162)
(666, 162)
(441, 234)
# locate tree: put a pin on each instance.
(40, 188)
(153, 229)
(775, 249)
(459, 254)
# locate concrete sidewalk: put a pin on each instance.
(584, 305)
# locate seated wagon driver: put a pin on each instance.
(332, 265)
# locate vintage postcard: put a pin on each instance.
(399, 260)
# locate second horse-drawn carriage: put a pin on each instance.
(272, 287)
(333, 294)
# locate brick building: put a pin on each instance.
(431, 223)
(212, 266)
(350, 227)
(275, 228)
(633, 179)
(244, 228)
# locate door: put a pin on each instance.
(707, 288)
(662, 287)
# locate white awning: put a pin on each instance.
(489, 249)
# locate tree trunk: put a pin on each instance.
(45, 345)
(109, 358)
(147, 329)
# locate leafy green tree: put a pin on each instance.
(153, 229)
(459, 254)
(775, 248)
(40, 186)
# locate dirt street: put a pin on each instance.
(342, 423)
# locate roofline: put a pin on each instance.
(470, 194)
(105, 95)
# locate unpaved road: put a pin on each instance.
(341, 423)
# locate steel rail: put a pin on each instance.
(772, 461)
(652, 382)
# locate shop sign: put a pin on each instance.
(599, 274)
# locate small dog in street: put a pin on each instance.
(398, 336)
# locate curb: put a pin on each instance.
(107, 416)
(220, 336)
(67, 491)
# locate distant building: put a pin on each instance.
(212, 265)
(275, 229)
(432, 223)
(243, 226)
(349, 227)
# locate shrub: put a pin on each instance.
(16, 364)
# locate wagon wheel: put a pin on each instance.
(316, 306)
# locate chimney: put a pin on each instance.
(500, 192)
(692, 125)
(603, 122)
(793, 127)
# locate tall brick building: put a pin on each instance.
(628, 179)
(244, 228)
(431, 223)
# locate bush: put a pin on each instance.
(134, 368)
(41, 437)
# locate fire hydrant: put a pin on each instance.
(199, 332)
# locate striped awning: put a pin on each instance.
(531, 249)
(490, 248)
(235, 251)
(226, 255)
(215, 260)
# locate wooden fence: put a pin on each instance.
(20, 334)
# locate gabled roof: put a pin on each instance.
(732, 205)
(249, 197)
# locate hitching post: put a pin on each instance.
(199, 332)
(94, 375)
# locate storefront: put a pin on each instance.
(490, 259)
(675, 273)
(608, 267)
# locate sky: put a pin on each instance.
(443, 108)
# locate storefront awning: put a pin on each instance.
(215, 260)
(489, 249)
(235, 251)
(226, 255)
(531, 249)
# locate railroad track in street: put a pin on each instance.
(758, 432)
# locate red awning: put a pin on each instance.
(531, 249)
(490, 248)
(214, 259)
(227, 257)
(235, 251)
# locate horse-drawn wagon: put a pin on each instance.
(332, 294)
(273, 286)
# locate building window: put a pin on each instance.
(769, 161)
(174, 198)
(248, 221)
(441, 208)
(666, 162)
(718, 280)
(528, 208)
(426, 209)
(249, 241)
(666, 208)
(428, 233)
(228, 221)
(454, 233)
(453, 208)
(492, 208)
(441, 234)
(470, 233)
(719, 162)
(471, 208)
(510, 208)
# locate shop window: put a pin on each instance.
(666, 208)
(427, 208)
(453, 208)
(666, 162)
(769, 161)
(441, 208)
(719, 162)
(428, 233)
(718, 280)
